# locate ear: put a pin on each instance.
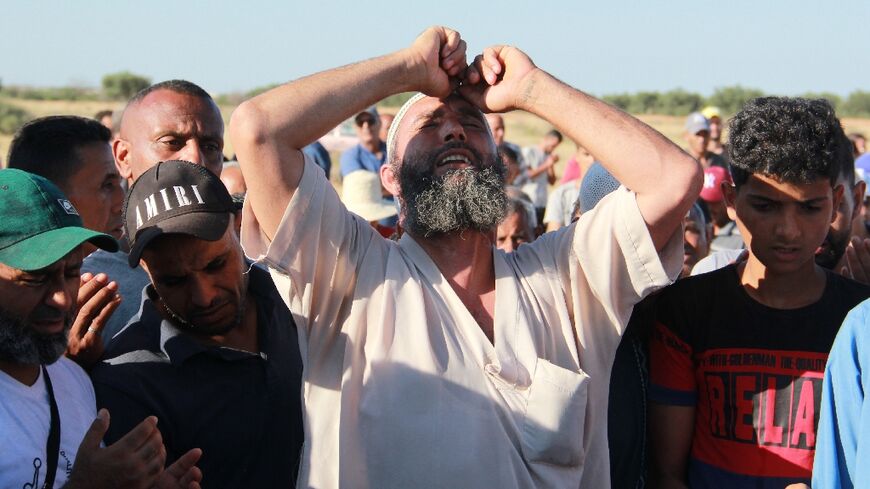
(838, 196)
(121, 152)
(858, 197)
(390, 180)
(729, 192)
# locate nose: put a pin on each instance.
(60, 295)
(788, 228)
(193, 152)
(202, 292)
(452, 130)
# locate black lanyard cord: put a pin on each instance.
(52, 446)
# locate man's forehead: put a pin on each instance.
(168, 107)
(774, 188)
(429, 106)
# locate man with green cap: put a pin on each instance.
(47, 404)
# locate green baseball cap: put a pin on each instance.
(38, 224)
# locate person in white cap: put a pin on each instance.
(439, 361)
(697, 136)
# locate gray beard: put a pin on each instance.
(466, 198)
(21, 344)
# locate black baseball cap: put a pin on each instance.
(175, 197)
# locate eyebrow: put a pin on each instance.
(768, 199)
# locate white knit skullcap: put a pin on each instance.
(394, 126)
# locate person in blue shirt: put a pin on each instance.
(320, 156)
(371, 152)
(844, 425)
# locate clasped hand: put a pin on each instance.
(498, 80)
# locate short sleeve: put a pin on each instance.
(618, 257)
(316, 251)
(672, 372)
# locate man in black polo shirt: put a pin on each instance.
(209, 353)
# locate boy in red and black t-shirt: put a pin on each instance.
(738, 355)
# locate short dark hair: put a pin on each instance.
(795, 140)
(556, 134)
(178, 86)
(47, 146)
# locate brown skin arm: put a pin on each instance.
(666, 179)
(546, 166)
(269, 130)
(670, 432)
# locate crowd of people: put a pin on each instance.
(457, 317)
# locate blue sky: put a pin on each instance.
(780, 47)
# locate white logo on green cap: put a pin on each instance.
(68, 207)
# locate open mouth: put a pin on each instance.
(456, 159)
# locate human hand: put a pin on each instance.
(436, 59)
(857, 260)
(135, 461)
(797, 486)
(499, 80)
(183, 473)
(552, 159)
(97, 300)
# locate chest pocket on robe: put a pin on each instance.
(555, 415)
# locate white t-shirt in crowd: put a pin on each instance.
(716, 260)
(25, 420)
(560, 204)
(402, 388)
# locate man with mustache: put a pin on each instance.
(169, 120)
(47, 408)
(438, 361)
(213, 350)
(74, 153)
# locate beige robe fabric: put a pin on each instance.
(402, 388)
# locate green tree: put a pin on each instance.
(644, 103)
(12, 117)
(123, 85)
(620, 100)
(857, 104)
(397, 100)
(679, 102)
(731, 99)
(833, 98)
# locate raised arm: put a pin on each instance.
(268, 131)
(666, 179)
